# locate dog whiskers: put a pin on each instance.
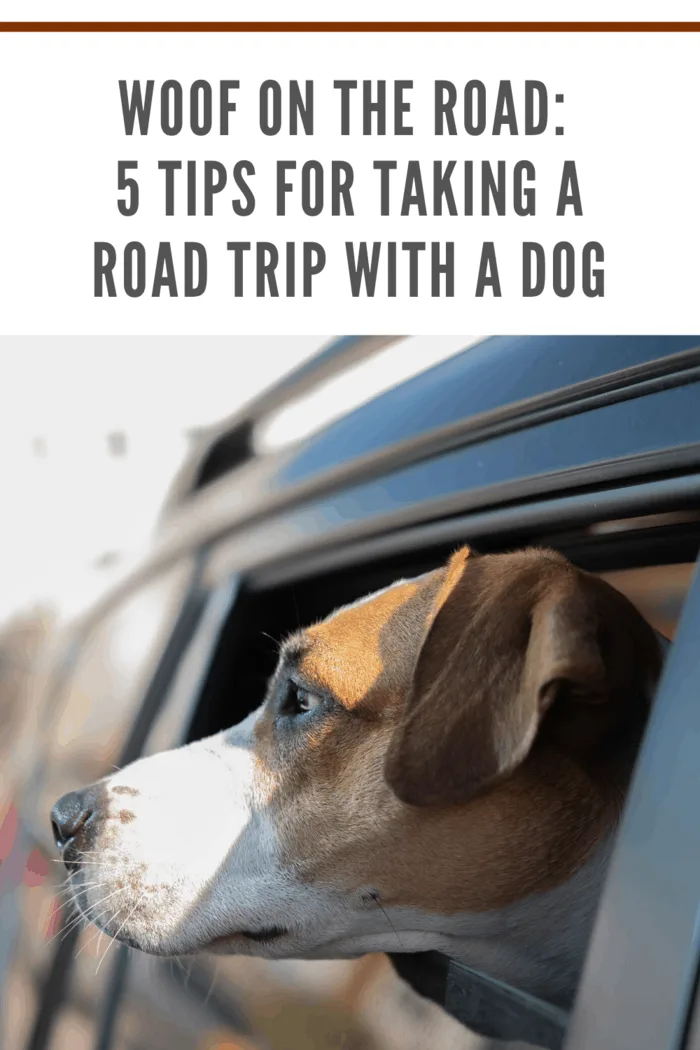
(98, 930)
(80, 916)
(67, 927)
(80, 863)
(213, 982)
(176, 959)
(70, 899)
(112, 919)
(105, 850)
(115, 936)
(375, 897)
(87, 942)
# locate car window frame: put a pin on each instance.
(641, 964)
(218, 573)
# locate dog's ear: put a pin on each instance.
(510, 634)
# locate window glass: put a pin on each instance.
(658, 591)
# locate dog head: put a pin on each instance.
(437, 751)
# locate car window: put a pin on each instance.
(253, 1002)
(658, 591)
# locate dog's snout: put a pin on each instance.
(70, 815)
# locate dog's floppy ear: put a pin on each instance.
(510, 634)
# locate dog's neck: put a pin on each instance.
(538, 944)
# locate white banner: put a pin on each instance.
(354, 182)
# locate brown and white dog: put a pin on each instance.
(438, 766)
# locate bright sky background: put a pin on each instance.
(62, 510)
(67, 501)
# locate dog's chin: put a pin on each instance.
(142, 934)
(272, 945)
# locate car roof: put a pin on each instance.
(494, 372)
(468, 396)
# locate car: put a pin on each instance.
(304, 500)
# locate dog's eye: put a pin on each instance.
(299, 701)
(306, 701)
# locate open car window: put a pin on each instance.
(650, 559)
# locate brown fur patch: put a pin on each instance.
(123, 790)
(364, 654)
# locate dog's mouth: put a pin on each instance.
(267, 933)
(270, 933)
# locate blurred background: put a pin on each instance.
(91, 433)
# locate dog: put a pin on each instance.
(438, 766)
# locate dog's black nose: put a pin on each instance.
(70, 814)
